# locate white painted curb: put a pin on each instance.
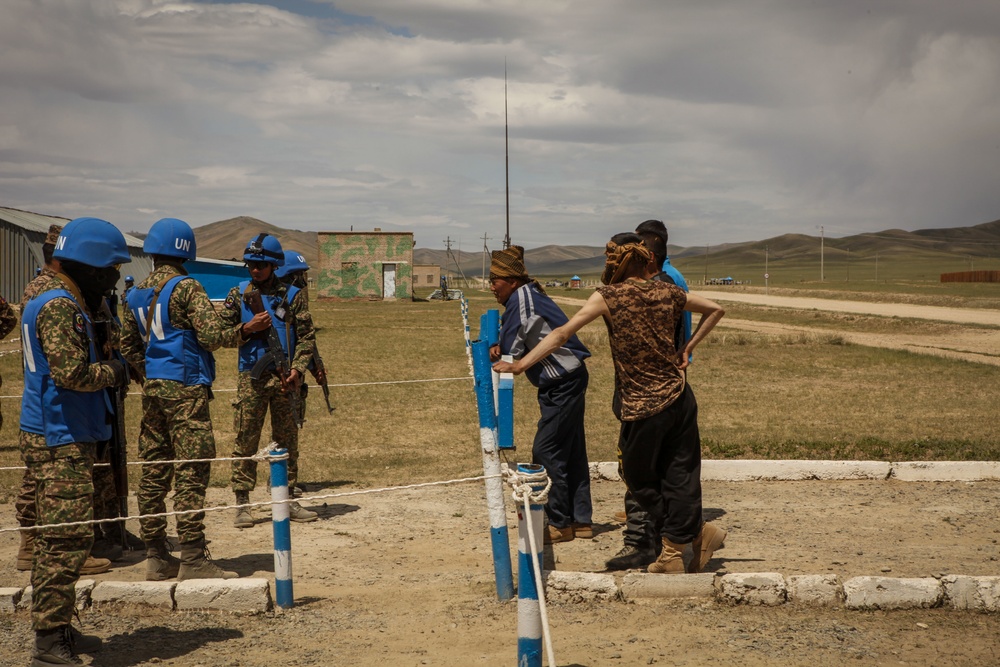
(749, 470)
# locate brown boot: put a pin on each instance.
(25, 554)
(197, 564)
(160, 565)
(709, 540)
(244, 518)
(669, 560)
(95, 566)
(555, 535)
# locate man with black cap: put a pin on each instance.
(560, 443)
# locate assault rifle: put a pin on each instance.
(275, 356)
(117, 447)
(321, 373)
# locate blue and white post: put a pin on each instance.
(280, 523)
(499, 538)
(530, 610)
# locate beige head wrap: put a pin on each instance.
(619, 257)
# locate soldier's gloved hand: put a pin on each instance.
(120, 373)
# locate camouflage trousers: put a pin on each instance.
(175, 428)
(253, 398)
(64, 486)
(105, 500)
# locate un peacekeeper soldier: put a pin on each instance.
(42, 277)
(293, 324)
(65, 412)
(169, 332)
(24, 506)
(129, 285)
(293, 272)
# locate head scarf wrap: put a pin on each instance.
(509, 264)
(620, 257)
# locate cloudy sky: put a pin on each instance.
(731, 120)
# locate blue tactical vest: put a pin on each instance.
(254, 349)
(62, 415)
(171, 353)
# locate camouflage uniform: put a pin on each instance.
(63, 474)
(105, 500)
(176, 422)
(38, 284)
(8, 322)
(24, 504)
(253, 397)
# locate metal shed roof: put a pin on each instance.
(37, 222)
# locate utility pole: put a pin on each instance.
(767, 275)
(848, 263)
(876, 267)
(506, 157)
(822, 275)
(486, 251)
(706, 265)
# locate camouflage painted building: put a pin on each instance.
(365, 265)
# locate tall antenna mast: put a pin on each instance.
(506, 156)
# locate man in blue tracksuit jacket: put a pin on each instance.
(560, 443)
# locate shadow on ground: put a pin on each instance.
(158, 644)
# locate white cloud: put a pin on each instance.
(731, 120)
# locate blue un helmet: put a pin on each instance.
(264, 248)
(171, 237)
(129, 280)
(93, 242)
(294, 261)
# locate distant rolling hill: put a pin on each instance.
(226, 239)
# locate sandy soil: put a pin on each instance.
(405, 578)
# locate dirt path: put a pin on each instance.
(976, 345)
(960, 315)
(406, 578)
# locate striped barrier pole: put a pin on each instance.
(530, 609)
(491, 468)
(465, 320)
(280, 524)
(505, 407)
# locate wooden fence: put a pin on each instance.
(971, 277)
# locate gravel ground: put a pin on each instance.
(405, 578)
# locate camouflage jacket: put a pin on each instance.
(8, 321)
(298, 310)
(64, 341)
(8, 318)
(38, 284)
(189, 308)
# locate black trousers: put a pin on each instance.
(561, 447)
(661, 464)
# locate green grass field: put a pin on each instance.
(796, 396)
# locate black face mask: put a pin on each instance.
(94, 283)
